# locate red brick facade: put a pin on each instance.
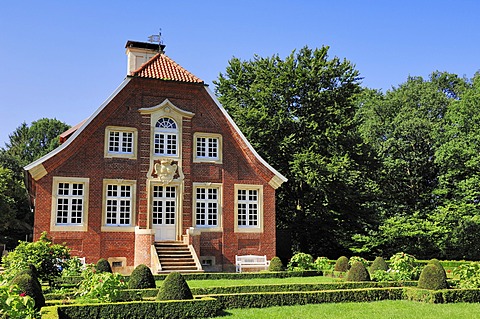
(83, 156)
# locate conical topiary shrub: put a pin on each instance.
(432, 278)
(437, 263)
(378, 264)
(141, 278)
(30, 286)
(341, 264)
(103, 266)
(174, 287)
(358, 272)
(275, 264)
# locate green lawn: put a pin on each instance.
(372, 310)
(258, 281)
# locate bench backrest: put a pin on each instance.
(250, 259)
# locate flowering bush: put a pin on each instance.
(73, 267)
(323, 263)
(15, 304)
(300, 262)
(402, 267)
(48, 258)
(100, 286)
(469, 275)
(381, 275)
(353, 259)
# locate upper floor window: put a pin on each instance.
(70, 202)
(208, 147)
(165, 137)
(120, 142)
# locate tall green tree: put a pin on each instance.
(402, 126)
(458, 156)
(299, 115)
(26, 144)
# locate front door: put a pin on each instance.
(164, 211)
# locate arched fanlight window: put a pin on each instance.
(165, 137)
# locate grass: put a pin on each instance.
(258, 281)
(371, 310)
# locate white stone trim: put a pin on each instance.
(42, 159)
(244, 139)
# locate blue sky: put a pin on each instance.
(62, 59)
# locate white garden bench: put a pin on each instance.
(251, 261)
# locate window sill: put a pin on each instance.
(119, 229)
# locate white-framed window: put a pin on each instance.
(118, 205)
(207, 147)
(165, 138)
(69, 204)
(207, 198)
(248, 208)
(120, 142)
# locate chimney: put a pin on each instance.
(139, 53)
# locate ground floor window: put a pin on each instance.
(70, 203)
(248, 208)
(207, 203)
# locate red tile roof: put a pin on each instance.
(163, 68)
(65, 135)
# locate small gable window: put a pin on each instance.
(208, 148)
(120, 142)
(165, 137)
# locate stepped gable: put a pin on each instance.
(163, 68)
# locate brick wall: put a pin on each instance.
(85, 158)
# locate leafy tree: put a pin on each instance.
(402, 126)
(30, 143)
(26, 144)
(304, 106)
(16, 218)
(457, 219)
(48, 258)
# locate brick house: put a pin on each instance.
(160, 162)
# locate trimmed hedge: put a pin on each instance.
(270, 299)
(433, 277)
(72, 280)
(358, 272)
(103, 266)
(195, 308)
(296, 287)
(443, 296)
(137, 294)
(141, 278)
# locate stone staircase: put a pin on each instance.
(175, 256)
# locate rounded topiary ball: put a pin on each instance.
(30, 286)
(103, 265)
(141, 278)
(378, 264)
(358, 272)
(174, 287)
(341, 264)
(432, 278)
(275, 264)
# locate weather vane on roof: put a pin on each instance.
(156, 38)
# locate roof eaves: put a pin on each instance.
(42, 159)
(280, 178)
